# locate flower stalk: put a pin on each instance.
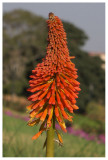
(50, 139)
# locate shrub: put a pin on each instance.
(15, 102)
(96, 112)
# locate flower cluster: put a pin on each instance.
(53, 86)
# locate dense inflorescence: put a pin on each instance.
(53, 86)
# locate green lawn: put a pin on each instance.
(17, 142)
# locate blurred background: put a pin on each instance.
(24, 45)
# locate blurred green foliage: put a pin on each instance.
(96, 112)
(87, 124)
(17, 142)
(24, 45)
(91, 127)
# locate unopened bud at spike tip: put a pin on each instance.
(51, 15)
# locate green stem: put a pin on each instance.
(50, 139)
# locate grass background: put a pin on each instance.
(17, 142)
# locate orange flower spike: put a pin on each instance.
(58, 79)
(57, 114)
(42, 102)
(49, 94)
(62, 125)
(77, 89)
(33, 114)
(75, 107)
(42, 95)
(52, 99)
(62, 94)
(33, 122)
(36, 105)
(30, 107)
(34, 95)
(44, 115)
(66, 104)
(53, 85)
(37, 135)
(50, 114)
(56, 111)
(65, 115)
(47, 86)
(58, 98)
(72, 57)
(39, 115)
(59, 137)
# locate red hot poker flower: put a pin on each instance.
(53, 86)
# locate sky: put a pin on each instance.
(90, 17)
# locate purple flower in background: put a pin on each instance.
(71, 130)
(16, 116)
(83, 134)
(92, 137)
(101, 137)
(9, 113)
(57, 126)
(25, 118)
(77, 132)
